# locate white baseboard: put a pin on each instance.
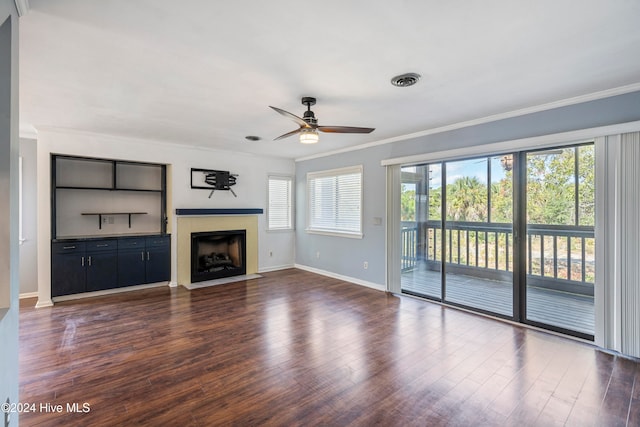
(333, 275)
(41, 304)
(28, 295)
(173, 284)
(276, 268)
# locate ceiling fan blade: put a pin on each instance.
(288, 134)
(293, 117)
(344, 129)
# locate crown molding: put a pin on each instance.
(22, 6)
(28, 133)
(495, 117)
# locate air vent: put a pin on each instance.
(405, 80)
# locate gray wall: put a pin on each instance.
(344, 256)
(29, 246)
(8, 204)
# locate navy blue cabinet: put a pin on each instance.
(131, 261)
(144, 260)
(102, 264)
(158, 262)
(68, 268)
(92, 265)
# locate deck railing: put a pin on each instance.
(558, 256)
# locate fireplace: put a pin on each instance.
(218, 254)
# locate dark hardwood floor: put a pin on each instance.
(297, 349)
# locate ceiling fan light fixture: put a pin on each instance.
(309, 136)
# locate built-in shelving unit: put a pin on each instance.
(107, 189)
(117, 251)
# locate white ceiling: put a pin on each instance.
(204, 72)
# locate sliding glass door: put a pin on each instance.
(456, 230)
(421, 230)
(560, 243)
(478, 235)
(459, 246)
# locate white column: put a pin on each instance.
(394, 188)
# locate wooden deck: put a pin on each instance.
(568, 311)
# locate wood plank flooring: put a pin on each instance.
(298, 349)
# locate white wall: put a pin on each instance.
(251, 188)
(29, 244)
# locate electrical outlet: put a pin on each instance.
(318, 254)
(110, 220)
(104, 219)
(365, 265)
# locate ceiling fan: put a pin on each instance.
(309, 127)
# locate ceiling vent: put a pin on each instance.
(405, 80)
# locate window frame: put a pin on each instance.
(291, 207)
(311, 176)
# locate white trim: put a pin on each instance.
(543, 141)
(22, 6)
(276, 268)
(42, 304)
(349, 279)
(334, 233)
(173, 284)
(21, 238)
(495, 117)
(28, 295)
(28, 133)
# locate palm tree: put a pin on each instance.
(467, 200)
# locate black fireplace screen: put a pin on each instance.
(217, 254)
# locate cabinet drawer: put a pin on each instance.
(158, 241)
(131, 243)
(67, 247)
(102, 245)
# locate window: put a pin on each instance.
(280, 211)
(335, 202)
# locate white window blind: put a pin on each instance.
(335, 201)
(280, 211)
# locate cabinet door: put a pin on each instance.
(158, 258)
(102, 270)
(131, 266)
(68, 271)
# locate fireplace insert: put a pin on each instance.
(218, 254)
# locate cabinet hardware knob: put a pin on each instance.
(68, 247)
(83, 261)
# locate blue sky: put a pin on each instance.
(458, 169)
